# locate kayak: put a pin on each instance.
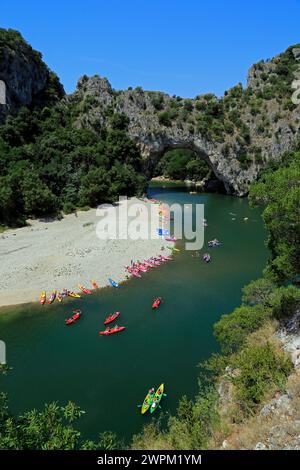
(113, 283)
(74, 295)
(135, 273)
(156, 303)
(172, 248)
(42, 299)
(206, 257)
(52, 297)
(157, 397)
(94, 284)
(59, 297)
(111, 331)
(84, 289)
(112, 318)
(148, 401)
(171, 239)
(76, 315)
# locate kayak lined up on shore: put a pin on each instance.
(59, 296)
(137, 268)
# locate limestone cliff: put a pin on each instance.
(236, 134)
(26, 79)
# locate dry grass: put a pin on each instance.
(265, 335)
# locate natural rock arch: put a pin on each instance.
(154, 148)
(155, 131)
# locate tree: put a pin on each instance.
(280, 191)
(95, 188)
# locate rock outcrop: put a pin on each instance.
(25, 78)
(237, 135)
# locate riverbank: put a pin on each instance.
(57, 254)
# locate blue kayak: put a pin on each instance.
(113, 283)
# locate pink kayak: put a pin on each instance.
(136, 274)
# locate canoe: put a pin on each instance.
(112, 318)
(59, 297)
(76, 315)
(52, 297)
(84, 289)
(111, 331)
(148, 401)
(135, 273)
(42, 298)
(157, 398)
(74, 295)
(156, 303)
(172, 248)
(113, 283)
(94, 284)
(171, 239)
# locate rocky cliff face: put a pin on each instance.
(276, 426)
(25, 77)
(237, 134)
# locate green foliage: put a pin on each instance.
(47, 165)
(257, 291)
(157, 100)
(180, 164)
(195, 422)
(280, 192)
(260, 368)
(49, 429)
(231, 330)
(284, 301)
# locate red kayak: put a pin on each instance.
(156, 303)
(112, 318)
(111, 331)
(74, 318)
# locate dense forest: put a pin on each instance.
(46, 165)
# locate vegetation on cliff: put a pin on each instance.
(47, 165)
(250, 365)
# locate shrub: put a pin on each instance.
(232, 329)
(260, 369)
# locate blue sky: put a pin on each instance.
(182, 47)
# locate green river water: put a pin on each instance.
(109, 376)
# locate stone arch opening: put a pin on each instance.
(198, 171)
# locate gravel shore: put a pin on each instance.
(57, 254)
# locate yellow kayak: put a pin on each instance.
(74, 295)
(157, 397)
(148, 401)
(42, 299)
(172, 248)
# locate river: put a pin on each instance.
(109, 376)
